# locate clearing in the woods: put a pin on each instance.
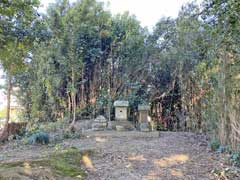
(85, 90)
(112, 155)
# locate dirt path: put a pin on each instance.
(136, 156)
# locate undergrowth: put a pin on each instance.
(234, 155)
(38, 138)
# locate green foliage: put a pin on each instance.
(92, 58)
(89, 52)
(56, 126)
(139, 95)
(67, 162)
(235, 157)
(215, 144)
(64, 163)
(39, 138)
(200, 51)
(71, 135)
(15, 35)
(102, 102)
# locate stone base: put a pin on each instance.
(144, 127)
(96, 126)
(109, 125)
(99, 124)
(122, 125)
(120, 128)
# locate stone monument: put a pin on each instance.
(121, 122)
(144, 118)
(121, 110)
(99, 124)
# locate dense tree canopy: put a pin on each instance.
(82, 58)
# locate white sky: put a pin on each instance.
(148, 12)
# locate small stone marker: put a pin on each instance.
(144, 118)
(99, 124)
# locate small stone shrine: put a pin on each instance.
(121, 122)
(99, 124)
(121, 110)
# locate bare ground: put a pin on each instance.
(136, 156)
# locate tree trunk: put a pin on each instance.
(73, 103)
(73, 98)
(109, 95)
(69, 106)
(82, 89)
(4, 135)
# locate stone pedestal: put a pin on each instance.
(99, 124)
(144, 127)
(122, 125)
(144, 118)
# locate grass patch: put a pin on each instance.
(66, 163)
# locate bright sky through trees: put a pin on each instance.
(146, 11)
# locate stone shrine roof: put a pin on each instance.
(143, 107)
(121, 104)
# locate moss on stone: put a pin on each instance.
(65, 163)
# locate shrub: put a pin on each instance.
(215, 144)
(32, 129)
(24, 140)
(71, 135)
(54, 126)
(57, 138)
(39, 138)
(235, 157)
(223, 149)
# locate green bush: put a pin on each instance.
(235, 157)
(32, 129)
(215, 144)
(71, 135)
(39, 138)
(54, 126)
